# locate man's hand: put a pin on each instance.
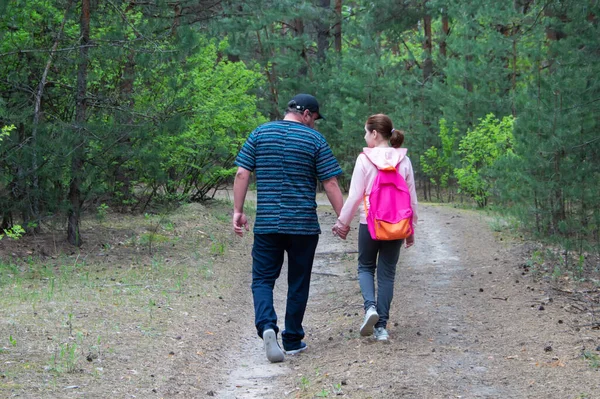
(239, 223)
(340, 230)
(410, 240)
(240, 188)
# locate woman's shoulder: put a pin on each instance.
(362, 158)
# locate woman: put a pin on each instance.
(383, 151)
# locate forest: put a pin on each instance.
(125, 105)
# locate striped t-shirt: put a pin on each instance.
(287, 158)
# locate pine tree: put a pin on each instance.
(101, 104)
(557, 128)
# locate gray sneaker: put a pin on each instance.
(299, 349)
(272, 349)
(381, 334)
(371, 317)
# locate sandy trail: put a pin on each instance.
(464, 324)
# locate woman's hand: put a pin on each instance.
(410, 241)
(341, 230)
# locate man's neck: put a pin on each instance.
(290, 116)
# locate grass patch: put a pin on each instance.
(104, 312)
(592, 358)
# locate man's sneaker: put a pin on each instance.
(272, 349)
(381, 334)
(371, 317)
(302, 348)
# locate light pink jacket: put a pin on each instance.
(364, 174)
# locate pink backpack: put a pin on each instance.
(389, 213)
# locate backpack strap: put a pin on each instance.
(365, 196)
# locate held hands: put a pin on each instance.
(340, 230)
(409, 241)
(239, 223)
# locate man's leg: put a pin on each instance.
(301, 253)
(267, 259)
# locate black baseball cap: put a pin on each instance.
(305, 101)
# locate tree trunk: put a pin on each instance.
(513, 83)
(177, 9)
(20, 191)
(446, 31)
(299, 31)
(338, 27)
(323, 32)
(522, 6)
(468, 83)
(426, 190)
(557, 199)
(121, 175)
(271, 78)
(75, 199)
(36, 120)
(427, 47)
(427, 71)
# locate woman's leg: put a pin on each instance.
(389, 252)
(367, 262)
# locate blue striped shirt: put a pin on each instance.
(287, 158)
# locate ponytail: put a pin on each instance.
(397, 138)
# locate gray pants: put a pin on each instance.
(385, 264)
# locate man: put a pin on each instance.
(287, 157)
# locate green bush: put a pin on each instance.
(482, 146)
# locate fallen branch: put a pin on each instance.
(327, 274)
(335, 253)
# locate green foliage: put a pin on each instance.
(65, 358)
(479, 150)
(438, 165)
(324, 393)
(152, 238)
(304, 383)
(5, 179)
(102, 211)
(592, 358)
(171, 98)
(553, 185)
(15, 232)
(337, 389)
(5, 131)
(165, 112)
(199, 158)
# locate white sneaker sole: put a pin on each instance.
(368, 326)
(296, 350)
(272, 349)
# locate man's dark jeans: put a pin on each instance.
(267, 260)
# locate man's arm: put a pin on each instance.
(240, 189)
(334, 194)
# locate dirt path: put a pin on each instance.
(115, 319)
(464, 324)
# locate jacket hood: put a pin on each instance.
(385, 157)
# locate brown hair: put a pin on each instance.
(383, 124)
